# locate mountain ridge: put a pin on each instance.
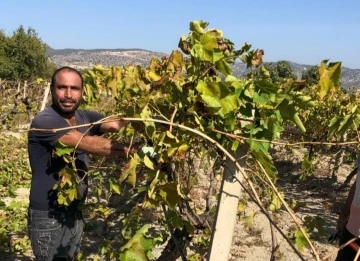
(86, 58)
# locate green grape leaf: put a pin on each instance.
(170, 193)
(114, 186)
(267, 162)
(198, 26)
(300, 240)
(290, 113)
(235, 145)
(275, 202)
(261, 99)
(224, 67)
(138, 246)
(62, 149)
(334, 126)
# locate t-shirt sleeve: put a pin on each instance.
(52, 123)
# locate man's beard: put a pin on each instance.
(65, 109)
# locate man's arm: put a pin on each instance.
(97, 145)
(345, 212)
(113, 126)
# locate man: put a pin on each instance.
(55, 230)
(349, 222)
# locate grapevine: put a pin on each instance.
(191, 104)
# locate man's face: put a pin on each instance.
(67, 92)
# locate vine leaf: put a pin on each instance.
(338, 125)
(249, 219)
(61, 149)
(329, 77)
(198, 26)
(67, 187)
(114, 186)
(267, 162)
(307, 165)
(138, 247)
(178, 149)
(73, 194)
(300, 240)
(316, 222)
(224, 67)
(129, 172)
(148, 163)
(63, 200)
(170, 193)
(218, 97)
(290, 113)
(275, 202)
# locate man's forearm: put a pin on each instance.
(104, 147)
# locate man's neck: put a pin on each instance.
(69, 117)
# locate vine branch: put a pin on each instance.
(288, 209)
(238, 137)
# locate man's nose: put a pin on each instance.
(68, 93)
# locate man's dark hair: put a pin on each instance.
(65, 68)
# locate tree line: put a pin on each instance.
(23, 56)
(281, 71)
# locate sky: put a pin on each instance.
(305, 32)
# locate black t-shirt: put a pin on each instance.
(45, 165)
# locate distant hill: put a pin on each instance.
(82, 59)
(85, 58)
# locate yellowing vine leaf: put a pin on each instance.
(177, 149)
(62, 200)
(329, 77)
(129, 172)
(73, 194)
(67, 176)
(39, 80)
(148, 163)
